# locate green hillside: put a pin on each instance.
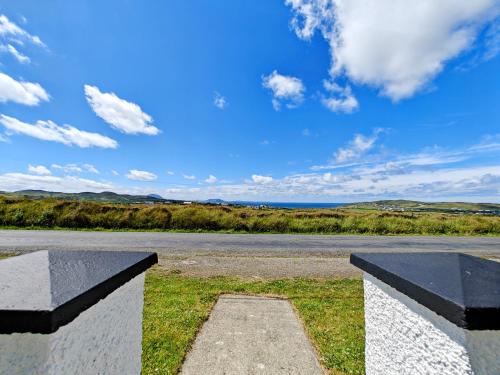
(416, 206)
(105, 196)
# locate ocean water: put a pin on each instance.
(290, 204)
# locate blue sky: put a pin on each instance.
(295, 100)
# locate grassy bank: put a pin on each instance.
(53, 213)
(176, 307)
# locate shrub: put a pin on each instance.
(74, 214)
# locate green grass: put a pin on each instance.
(177, 306)
(54, 213)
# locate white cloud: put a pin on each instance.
(68, 168)
(306, 132)
(431, 174)
(258, 179)
(170, 173)
(22, 92)
(331, 178)
(10, 34)
(394, 45)
(356, 148)
(114, 173)
(285, 89)
(122, 115)
(65, 134)
(21, 181)
(211, 179)
(340, 99)
(90, 168)
(138, 175)
(220, 101)
(460, 183)
(189, 177)
(75, 168)
(4, 138)
(39, 169)
(9, 30)
(492, 41)
(9, 48)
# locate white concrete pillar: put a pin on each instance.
(433, 313)
(72, 312)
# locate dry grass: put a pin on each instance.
(52, 213)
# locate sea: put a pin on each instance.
(289, 204)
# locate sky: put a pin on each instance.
(276, 100)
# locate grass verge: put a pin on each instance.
(53, 213)
(175, 308)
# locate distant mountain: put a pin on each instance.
(215, 201)
(105, 196)
(157, 196)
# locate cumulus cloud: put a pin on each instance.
(138, 175)
(50, 131)
(432, 174)
(22, 92)
(258, 179)
(394, 45)
(356, 148)
(211, 179)
(39, 169)
(124, 116)
(479, 183)
(285, 89)
(339, 99)
(220, 101)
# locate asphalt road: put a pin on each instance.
(182, 244)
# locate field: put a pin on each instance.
(176, 307)
(70, 214)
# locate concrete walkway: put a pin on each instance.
(252, 335)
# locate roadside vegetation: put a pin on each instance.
(70, 214)
(176, 307)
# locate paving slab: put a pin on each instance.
(252, 335)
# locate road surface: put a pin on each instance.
(246, 255)
(181, 244)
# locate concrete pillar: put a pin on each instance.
(431, 313)
(72, 312)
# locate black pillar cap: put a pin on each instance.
(42, 291)
(461, 288)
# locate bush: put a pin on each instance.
(47, 218)
(73, 214)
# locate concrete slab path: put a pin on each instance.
(252, 335)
